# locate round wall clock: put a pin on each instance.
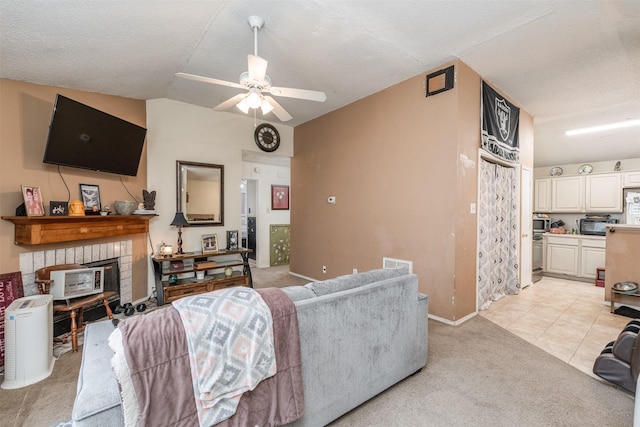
(585, 169)
(267, 137)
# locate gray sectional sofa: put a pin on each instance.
(359, 335)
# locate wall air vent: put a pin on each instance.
(440, 81)
(388, 263)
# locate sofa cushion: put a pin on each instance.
(297, 293)
(97, 390)
(350, 281)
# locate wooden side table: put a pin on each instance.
(75, 308)
(613, 297)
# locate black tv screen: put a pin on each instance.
(83, 137)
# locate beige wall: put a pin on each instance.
(393, 161)
(179, 131)
(25, 114)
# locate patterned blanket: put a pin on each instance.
(230, 341)
(157, 368)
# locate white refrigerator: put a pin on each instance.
(632, 204)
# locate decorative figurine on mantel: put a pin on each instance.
(149, 199)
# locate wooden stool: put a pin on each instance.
(76, 309)
(76, 306)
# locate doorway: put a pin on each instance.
(249, 211)
(498, 240)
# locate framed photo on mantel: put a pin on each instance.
(90, 197)
(32, 200)
(58, 208)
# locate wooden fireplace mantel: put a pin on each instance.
(55, 229)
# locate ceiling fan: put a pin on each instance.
(257, 83)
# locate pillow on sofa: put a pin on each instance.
(350, 281)
(297, 293)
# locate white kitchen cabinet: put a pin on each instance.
(562, 255)
(542, 195)
(631, 179)
(592, 256)
(567, 194)
(574, 255)
(603, 193)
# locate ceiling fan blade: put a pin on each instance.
(311, 95)
(257, 67)
(230, 102)
(280, 112)
(208, 80)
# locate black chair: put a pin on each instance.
(619, 361)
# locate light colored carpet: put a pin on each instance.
(478, 374)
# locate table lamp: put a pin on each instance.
(179, 221)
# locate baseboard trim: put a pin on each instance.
(311, 279)
(452, 322)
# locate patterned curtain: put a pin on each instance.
(498, 239)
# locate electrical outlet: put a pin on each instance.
(324, 268)
(355, 271)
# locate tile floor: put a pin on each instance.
(565, 318)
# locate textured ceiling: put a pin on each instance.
(568, 63)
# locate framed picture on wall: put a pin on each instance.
(280, 197)
(32, 200)
(90, 195)
(209, 243)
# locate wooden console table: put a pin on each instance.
(214, 278)
(41, 230)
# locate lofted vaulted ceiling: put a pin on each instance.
(568, 63)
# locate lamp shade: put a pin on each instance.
(179, 220)
(254, 99)
(243, 106)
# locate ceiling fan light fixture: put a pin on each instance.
(243, 106)
(257, 84)
(254, 99)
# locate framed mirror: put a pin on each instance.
(200, 192)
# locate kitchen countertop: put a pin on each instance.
(576, 236)
(628, 226)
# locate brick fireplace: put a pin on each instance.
(114, 256)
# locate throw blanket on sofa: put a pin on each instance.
(230, 341)
(155, 346)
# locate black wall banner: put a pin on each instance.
(500, 121)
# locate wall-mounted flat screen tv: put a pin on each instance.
(83, 137)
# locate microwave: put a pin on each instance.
(595, 227)
(541, 225)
